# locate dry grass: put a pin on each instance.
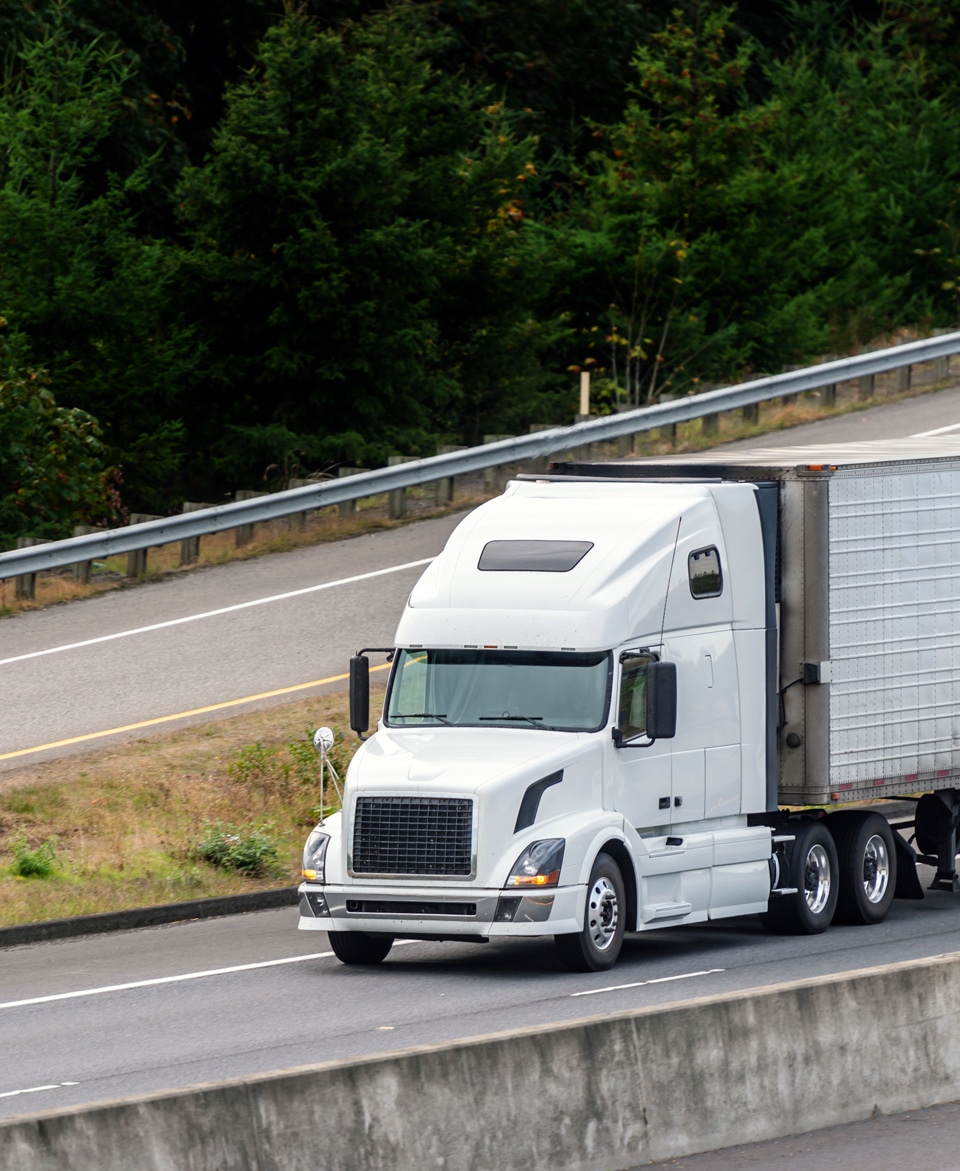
(128, 820)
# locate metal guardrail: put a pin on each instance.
(521, 448)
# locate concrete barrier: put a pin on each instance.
(616, 1091)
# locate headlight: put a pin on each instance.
(539, 864)
(314, 855)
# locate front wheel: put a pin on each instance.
(357, 947)
(597, 945)
(814, 871)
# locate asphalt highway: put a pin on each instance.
(88, 1019)
(203, 639)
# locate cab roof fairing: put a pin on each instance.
(615, 593)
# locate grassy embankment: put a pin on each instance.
(128, 821)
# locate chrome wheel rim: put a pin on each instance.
(876, 869)
(603, 914)
(816, 879)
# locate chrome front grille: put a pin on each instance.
(428, 836)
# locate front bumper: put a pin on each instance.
(447, 912)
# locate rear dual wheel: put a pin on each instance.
(844, 869)
(868, 866)
(813, 870)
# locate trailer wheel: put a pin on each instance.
(598, 944)
(868, 866)
(358, 947)
(814, 871)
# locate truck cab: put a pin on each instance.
(575, 738)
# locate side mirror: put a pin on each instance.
(360, 694)
(662, 701)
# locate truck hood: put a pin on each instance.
(463, 760)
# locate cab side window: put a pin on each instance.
(706, 578)
(632, 711)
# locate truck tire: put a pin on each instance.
(357, 947)
(868, 866)
(597, 946)
(814, 871)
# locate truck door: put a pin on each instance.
(641, 774)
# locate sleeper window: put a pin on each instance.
(706, 580)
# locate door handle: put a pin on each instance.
(664, 802)
(678, 801)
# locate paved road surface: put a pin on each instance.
(274, 1009)
(225, 655)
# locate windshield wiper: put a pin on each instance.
(536, 721)
(442, 717)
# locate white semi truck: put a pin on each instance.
(632, 695)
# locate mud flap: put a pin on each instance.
(908, 881)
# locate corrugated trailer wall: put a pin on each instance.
(870, 588)
(894, 585)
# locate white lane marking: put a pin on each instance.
(37, 1089)
(319, 955)
(327, 585)
(936, 431)
(641, 983)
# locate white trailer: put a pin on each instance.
(631, 695)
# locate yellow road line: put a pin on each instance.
(197, 711)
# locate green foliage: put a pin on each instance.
(52, 458)
(357, 242)
(250, 849)
(410, 220)
(37, 862)
(89, 296)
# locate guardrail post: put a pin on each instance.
(711, 424)
(137, 558)
(542, 462)
(83, 569)
(751, 413)
(668, 434)
(26, 585)
(495, 479)
(349, 507)
(445, 488)
(243, 534)
(190, 546)
(903, 378)
(397, 497)
(867, 386)
(298, 520)
(828, 395)
(941, 368)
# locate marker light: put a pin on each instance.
(314, 856)
(539, 864)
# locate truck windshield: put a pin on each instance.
(558, 690)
